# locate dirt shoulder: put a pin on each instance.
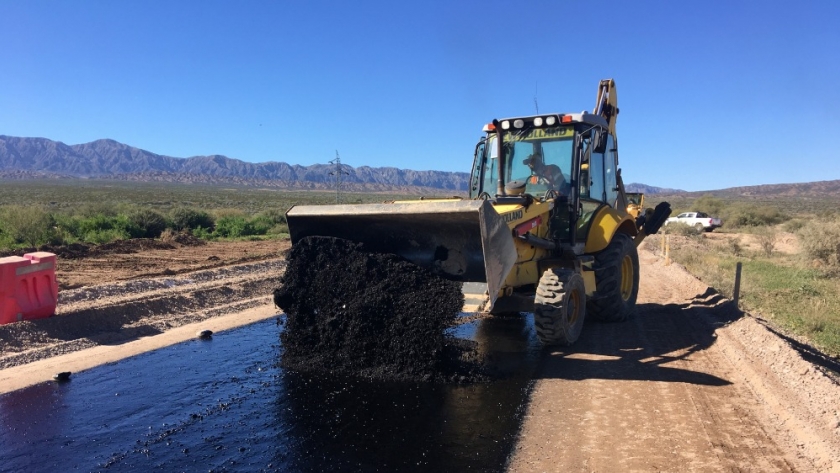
(144, 259)
(132, 297)
(689, 384)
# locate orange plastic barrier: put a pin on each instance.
(28, 288)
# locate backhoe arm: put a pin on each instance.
(607, 104)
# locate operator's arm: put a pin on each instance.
(556, 178)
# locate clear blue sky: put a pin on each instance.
(712, 94)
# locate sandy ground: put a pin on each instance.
(689, 384)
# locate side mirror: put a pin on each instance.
(600, 140)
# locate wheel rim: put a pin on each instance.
(626, 277)
(573, 307)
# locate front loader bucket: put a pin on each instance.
(464, 240)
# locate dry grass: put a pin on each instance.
(782, 288)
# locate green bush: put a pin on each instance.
(150, 223)
(202, 233)
(711, 205)
(98, 208)
(231, 227)
(184, 218)
(29, 225)
(116, 225)
(101, 236)
(751, 215)
(262, 224)
(820, 240)
(794, 225)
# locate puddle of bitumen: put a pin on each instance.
(225, 405)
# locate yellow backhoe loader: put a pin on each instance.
(545, 225)
(635, 203)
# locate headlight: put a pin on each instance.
(550, 121)
(519, 123)
(538, 121)
(505, 125)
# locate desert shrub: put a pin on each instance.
(820, 240)
(679, 228)
(29, 225)
(168, 235)
(767, 241)
(185, 218)
(735, 247)
(794, 225)
(151, 224)
(750, 215)
(227, 227)
(98, 208)
(262, 224)
(202, 233)
(99, 228)
(99, 237)
(279, 229)
(110, 225)
(228, 212)
(711, 205)
(274, 215)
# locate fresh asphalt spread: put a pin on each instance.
(371, 315)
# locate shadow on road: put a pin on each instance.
(643, 347)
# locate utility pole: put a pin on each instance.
(337, 173)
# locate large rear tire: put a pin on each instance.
(559, 307)
(616, 281)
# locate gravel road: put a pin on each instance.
(689, 384)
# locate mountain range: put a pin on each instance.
(109, 159)
(40, 158)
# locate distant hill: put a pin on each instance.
(107, 159)
(646, 189)
(818, 189)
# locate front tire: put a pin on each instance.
(559, 307)
(616, 281)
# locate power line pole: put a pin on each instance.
(337, 173)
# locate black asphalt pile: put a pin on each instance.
(372, 315)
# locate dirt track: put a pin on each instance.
(688, 385)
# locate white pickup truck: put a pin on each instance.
(698, 220)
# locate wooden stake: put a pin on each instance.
(667, 250)
(737, 292)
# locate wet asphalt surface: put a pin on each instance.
(226, 405)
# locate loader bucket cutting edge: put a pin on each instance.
(461, 240)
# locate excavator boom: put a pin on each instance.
(606, 105)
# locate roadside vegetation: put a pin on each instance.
(38, 213)
(790, 262)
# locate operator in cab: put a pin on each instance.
(548, 174)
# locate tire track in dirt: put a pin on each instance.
(123, 311)
(673, 390)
